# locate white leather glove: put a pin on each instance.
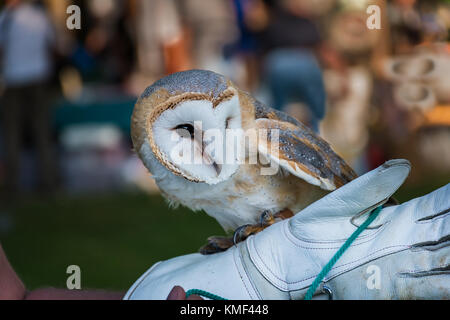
(404, 253)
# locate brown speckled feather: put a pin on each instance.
(302, 152)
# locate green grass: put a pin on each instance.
(114, 238)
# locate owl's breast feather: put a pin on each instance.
(244, 197)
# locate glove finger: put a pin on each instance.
(361, 194)
(432, 207)
(428, 275)
(430, 218)
(431, 287)
(416, 273)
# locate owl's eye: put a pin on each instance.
(182, 128)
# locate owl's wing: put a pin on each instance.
(302, 153)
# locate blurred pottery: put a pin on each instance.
(437, 74)
(433, 70)
(412, 96)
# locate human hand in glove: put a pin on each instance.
(403, 254)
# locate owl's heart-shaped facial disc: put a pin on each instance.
(199, 139)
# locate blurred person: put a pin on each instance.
(349, 86)
(288, 44)
(434, 21)
(158, 31)
(26, 40)
(175, 35)
(346, 125)
(211, 25)
(108, 42)
(251, 16)
(405, 25)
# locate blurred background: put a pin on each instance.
(72, 191)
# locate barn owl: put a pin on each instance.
(184, 108)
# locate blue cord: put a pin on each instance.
(312, 289)
(204, 294)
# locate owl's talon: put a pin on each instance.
(241, 233)
(220, 244)
(266, 219)
(216, 245)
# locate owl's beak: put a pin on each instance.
(209, 160)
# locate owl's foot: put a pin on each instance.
(266, 220)
(220, 244)
(216, 245)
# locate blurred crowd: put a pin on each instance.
(67, 95)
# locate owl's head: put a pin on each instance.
(181, 122)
